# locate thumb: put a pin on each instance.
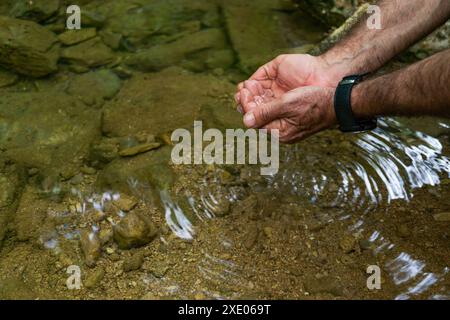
(263, 114)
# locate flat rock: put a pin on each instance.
(94, 87)
(72, 37)
(36, 10)
(90, 53)
(442, 217)
(144, 101)
(164, 55)
(141, 148)
(27, 48)
(46, 130)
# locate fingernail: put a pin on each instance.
(249, 120)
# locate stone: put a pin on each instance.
(94, 278)
(347, 243)
(326, 284)
(125, 203)
(11, 181)
(72, 37)
(140, 148)
(27, 48)
(162, 56)
(158, 269)
(36, 10)
(7, 78)
(47, 130)
(245, 20)
(91, 53)
(403, 231)
(94, 87)
(143, 102)
(91, 247)
(134, 230)
(149, 169)
(133, 263)
(442, 217)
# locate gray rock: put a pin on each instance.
(27, 48)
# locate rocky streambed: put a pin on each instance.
(86, 178)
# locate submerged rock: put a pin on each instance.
(88, 54)
(134, 230)
(94, 87)
(47, 130)
(27, 48)
(7, 78)
(36, 10)
(140, 148)
(162, 56)
(72, 37)
(144, 101)
(94, 278)
(91, 247)
(134, 262)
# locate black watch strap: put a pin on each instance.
(343, 107)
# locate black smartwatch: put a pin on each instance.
(343, 107)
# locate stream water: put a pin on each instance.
(87, 183)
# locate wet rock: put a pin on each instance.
(104, 151)
(158, 269)
(91, 247)
(133, 263)
(105, 235)
(27, 48)
(94, 278)
(72, 37)
(88, 54)
(442, 217)
(11, 182)
(365, 244)
(47, 130)
(95, 87)
(403, 231)
(327, 284)
(149, 169)
(251, 237)
(36, 10)
(245, 20)
(134, 230)
(347, 243)
(88, 170)
(162, 56)
(141, 148)
(30, 216)
(157, 21)
(142, 103)
(7, 78)
(125, 203)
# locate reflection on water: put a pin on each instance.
(358, 176)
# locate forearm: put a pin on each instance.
(403, 22)
(420, 89)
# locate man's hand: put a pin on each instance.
(283, 74)
(297, 114)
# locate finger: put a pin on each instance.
(237, 98)
(254, 87)
(268, 72)
(246, 98)
(264, 114)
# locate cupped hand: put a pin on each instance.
(281, 75)
(296, 114)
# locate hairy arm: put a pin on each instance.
(403, 22)
(421, 89)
